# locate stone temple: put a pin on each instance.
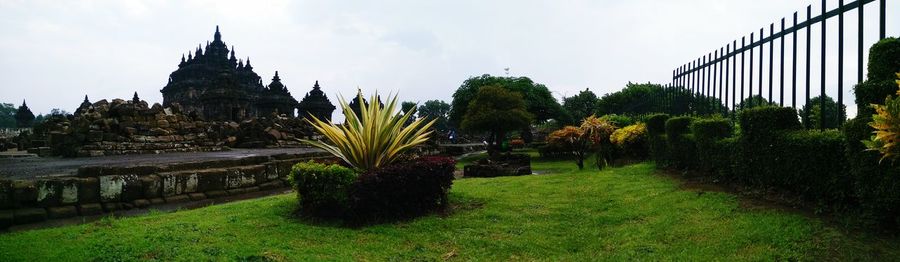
(214, 85)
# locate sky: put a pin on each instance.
(53, 53)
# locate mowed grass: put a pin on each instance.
(626, 213)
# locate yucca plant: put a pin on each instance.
(373, 138)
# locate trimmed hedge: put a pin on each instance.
(681, 145)
(714, 146)
(322, 188)
(876, 186)
(884, 59)
(762, 120)
(656, 124)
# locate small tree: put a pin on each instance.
(437, 110)
(597, 130)
(581, 105)
(572, 139)
(811, 114)
(497, 111)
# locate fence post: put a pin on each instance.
(822, 74)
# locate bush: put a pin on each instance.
(711, 129)
(656, 124)
(876, 186)
(884, 59)
(659, 150)
(681, 146)
(812, 163)
(554, 151)
(714, 146)
(631, 140)
(322, 189)
(758, 121)
(402, 190)
(618, 120)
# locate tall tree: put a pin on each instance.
(811, 113)
(538, 99)
(438, 110)
(582, 105)
(497, 111)
(7, 115)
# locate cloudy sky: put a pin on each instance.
(52, 53)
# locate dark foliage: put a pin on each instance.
(681, 145)
(811, 114)
(764, 120)
(582, 105)
(876, 185)
(656, 124)
(538, 99)
(402, 190)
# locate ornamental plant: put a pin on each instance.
(886, 122)
(572, 139)
(631, 139)
(374, 138)
(598, 131)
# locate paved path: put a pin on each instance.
(34, 167)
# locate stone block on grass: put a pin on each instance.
(29, 215)
(197, 196)
(61, 212)
(6, 218)
(177, 199)
(90, 209)
(89, 190)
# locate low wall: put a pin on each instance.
(97, 189)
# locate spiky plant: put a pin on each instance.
(886, 122)
(373, 138)
(598, 131)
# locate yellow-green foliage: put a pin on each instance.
(597, 129)
(629, 135)
(373, 139)
(886, 122)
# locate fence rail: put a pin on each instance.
(709, 75)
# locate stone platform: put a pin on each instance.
(36, 189)
(30, 168)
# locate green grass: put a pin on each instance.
(626, 213)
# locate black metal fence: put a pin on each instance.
(721, 74)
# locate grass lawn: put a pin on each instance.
(624, 213)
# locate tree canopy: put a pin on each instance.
(537, 98)
(582, 105)
(435, 109)
(7, 115)
(498, 111)
(811, 113)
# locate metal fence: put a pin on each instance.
(721, 73)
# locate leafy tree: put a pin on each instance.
(7, 115)
(538, 99)
(811, 113)
(497, 111)
(406, 107)
(581, 105)
(573, 140)
(754, 101)
(437, 110)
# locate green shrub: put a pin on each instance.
(402, 190)
(656, 124)
(659, 150)
(812, 163)
(873, 92)
(876, 186)
(322, 189)
(884, 59)
(631, 140)
(763, 120)
(680, 144)
(618, 120)
(678, 126)
(714, 146)
(711, 129)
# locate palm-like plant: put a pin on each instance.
(373, 138)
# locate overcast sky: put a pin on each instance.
(52, 53)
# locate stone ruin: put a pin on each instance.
(134, 127)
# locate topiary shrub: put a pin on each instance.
(760, 128)
(681, 145)
(884, 61)
(812, 163)
(713, 153)
(632, 140)
(760, 121)
(656, 124)
(321, 188)
(876, 186)
(618, 120)
(402, 190)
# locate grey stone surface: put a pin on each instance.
(90, 209)
(61, 212)
(29, 215)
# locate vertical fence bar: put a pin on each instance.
(714, 66)
(840, 98)
(794, 65)
(808, 55)
(761, 51)
(822, 117)
(781, 67)
(859, 51)
(743, 47)
(734, 80)
(727, 58)
(771, 60)
(750, 84)
(881, 9)
(721, 69)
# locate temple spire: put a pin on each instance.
(217, 36)
(316, 86)
(135, 98)
(86, 99)
(23, 103)
(247, 65)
